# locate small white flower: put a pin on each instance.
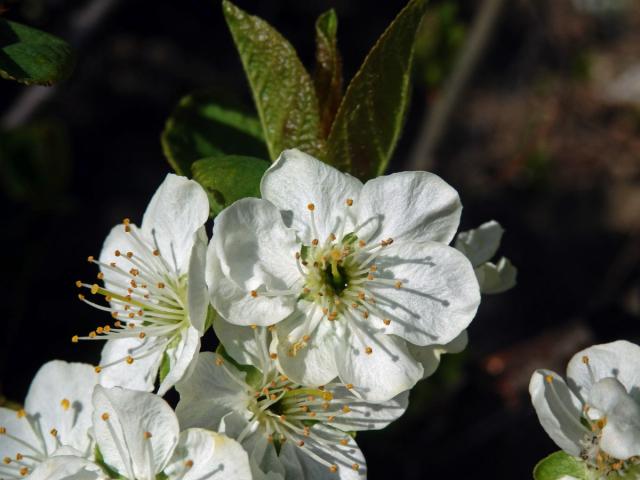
(595, 415)
(154, 283)
(138, 436)
(287, 428)
(55, 420)
(480, 245)
(351, 273)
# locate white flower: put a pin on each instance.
(138, 436)
(350, 272)
(480, 245)
(288, 429)
(595, 414)
(154, 282)
(55, 419)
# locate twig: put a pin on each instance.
(435, 120)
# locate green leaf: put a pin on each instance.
(558, 464)
(371, 115)
(328, 73)
(282, 89)
(205, 124)
(227, 178)
(31, 56)
(165, 366)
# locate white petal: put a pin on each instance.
(265, 463)
(245, 345)
(382, 374)
(429, 357)
(20, 438)
(141, 374)
(55, 382)
(621, 435)
(558, 410)
(235, 305)
(618, 359)
(182, 358)
(409, 206)
(439, 295)
(212, 391)
(363, 415)
(67, 468)
(296, 179)
(496, 278)
(198, 296)
(136, 431)
(314, 364)
(253, 250)
(325, 442)
(117, 240)
(175, 213)
(480, 244)
(202, 455)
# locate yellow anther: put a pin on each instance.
(398, 284)
(315, 242)
(253, 326)
(386, 321)
(75, 339)
(129, 360)
(328, 396)
(311, 207)
(253, 293)
(301, 443)
(333, 468)
(370, 277)
(24, 471)
(160, 285)
(117, 253)
(6, 460)
(344, 442)
(156, 253)
(585, 360)
(273, 355)
(81, 296)
(188, 463)
(104, 416)
(90, 259)
(373, 268)
(331, 418)
(147, 435)
(92, 334)
(65, 404)
(549, 378)
(346, 409)
(361, 243)
(365, 314)
(100, 276)
(349, 386)
(282, 418)
(99, 330)
(53, 432)
(21, 413)
(355, 466)
(142, 335)
(368, 350)
(106, 328)
(97, 369)
(349, 202)
(117, 323)
(78, 284)
(306, 338)
(219, 361)
(19, 456)
(3, 430)
(94, 288)
(129, 254)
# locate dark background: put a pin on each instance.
(543, 139)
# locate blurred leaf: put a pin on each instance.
(559, 464)
(165, 366)
(282, 89)
(328, 74)
(203, 125)
(35, 164)
(228, 178)
(31, 56)
(371, 115)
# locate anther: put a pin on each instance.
(6, 460)
(53, 432)
(585, 360)
(346, 409)
(21, 413)
(75, 339)
(142, 335)
(355, 466)
(100, 276)
(90, 259)
(273, 356)
(315, 242)
(147, 435)
(349, 202)
(311, 207)
(361, 243)
(398, 284)
(188, 463)
(97, 369)
(129, 359)
(301, 443)
(219, 361)
(549, 378)
(65, 404)
(117, 253)
(254, 294)
(344, 442)
(160, 285)
(24, 471)
(368, 350)
(3, 430)
(333, 468)
(386, 321)
(349, 386)
(78, 284)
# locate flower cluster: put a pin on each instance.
(594, 415)
(330, 299)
